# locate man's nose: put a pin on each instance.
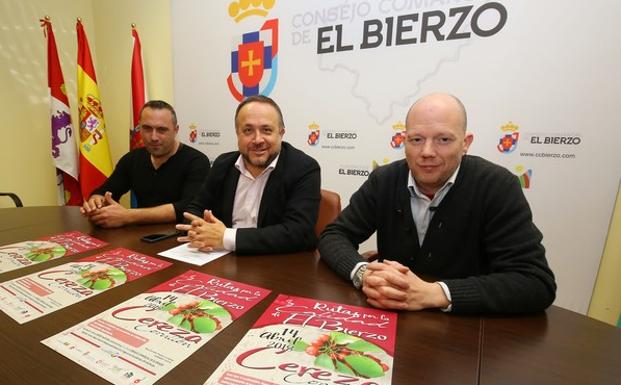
(155, 137)
(428, 148)
(257, 137)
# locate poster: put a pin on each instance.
(22, 254)
(44, 292)
(306, 341)
(145, 337)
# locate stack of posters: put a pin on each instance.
(145, 337)
(38, 294)
(306, 341)
(22, 254)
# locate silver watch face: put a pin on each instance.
(358, 276)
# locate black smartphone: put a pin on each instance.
(159, 236)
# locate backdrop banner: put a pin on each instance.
(539, 81)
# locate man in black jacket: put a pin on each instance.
(163, 174)
(444, 214)
(261, 199)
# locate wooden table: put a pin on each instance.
(555, 347)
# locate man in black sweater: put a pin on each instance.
(441, 213)
(263, 198)
(164, 175)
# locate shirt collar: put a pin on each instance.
(413, 187)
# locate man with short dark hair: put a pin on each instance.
(263, 198)
(441, 213)
(164, 174)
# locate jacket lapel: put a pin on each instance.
(229, 188)
(273, 187)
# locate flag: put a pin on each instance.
(139, 96)
(139, 92)
(64, 149)
(95, 160)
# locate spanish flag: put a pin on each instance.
(95, 160)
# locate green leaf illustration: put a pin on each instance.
(168, 307)
(39, 254)
(176, 319)
(342, 368)
(324, 361)
(365, 365)
(342, 338)
(186, 325)
(204, 325)
(85, 282)
(204, 305)
(102, 284)
(218, 312)
(299, 346)
(41, 257)
(117, 274)
(364, 346)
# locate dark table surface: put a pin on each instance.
(554, 347)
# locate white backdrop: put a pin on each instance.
(542, 75)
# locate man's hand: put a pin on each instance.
(110, 213)
(91, 205)
(390, 285)
(204, 234)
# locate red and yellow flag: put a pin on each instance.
(95, 160)
(64, 149)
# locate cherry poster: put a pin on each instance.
(22, 254)
(35, 295)
(142, 339)
(306, 341)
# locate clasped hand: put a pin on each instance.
(390, 285)
(204, 234)
(105, 211)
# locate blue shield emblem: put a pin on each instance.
(508, 142)
(254, 64)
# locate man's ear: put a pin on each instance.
(468, 141)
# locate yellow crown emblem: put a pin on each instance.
(313, 126)
(510, 127)
(241, 9)
(398, 126)
(192, 126)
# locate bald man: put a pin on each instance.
(440, 213)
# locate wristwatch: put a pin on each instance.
(357, 279)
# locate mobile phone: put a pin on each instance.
(158, 236)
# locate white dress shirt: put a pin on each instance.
(247, 200)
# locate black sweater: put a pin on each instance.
(481, 240)
(176, 181)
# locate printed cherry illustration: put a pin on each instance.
(39, 252)
(102, 279)
(197, 316)
(345, 354)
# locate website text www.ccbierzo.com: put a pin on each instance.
(547, 155)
